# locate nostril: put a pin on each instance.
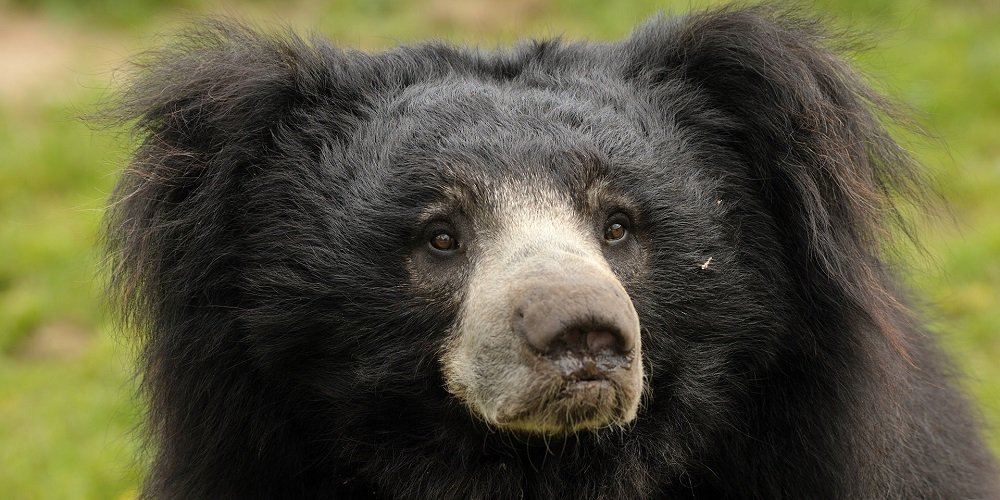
(586, 342)
(601, 341)
(588, 353)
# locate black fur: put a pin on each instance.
(260, 234)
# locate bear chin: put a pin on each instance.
(580, 405)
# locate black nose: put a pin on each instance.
(586, 315)
(586, 340)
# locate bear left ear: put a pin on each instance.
(806, 127)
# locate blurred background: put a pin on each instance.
(68, 415)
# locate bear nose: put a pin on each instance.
(586, 314)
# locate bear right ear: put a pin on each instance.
(218, 105)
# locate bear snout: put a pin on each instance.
(547, 344)
(585, 326)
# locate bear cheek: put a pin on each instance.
(550, 345)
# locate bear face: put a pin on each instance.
(640, 269)
(526, 183)
(543, 337)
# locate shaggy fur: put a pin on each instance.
(261, 240)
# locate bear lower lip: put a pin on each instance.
(578, 405)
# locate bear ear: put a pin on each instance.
(808, 130)
(224, 88)
(213, 108)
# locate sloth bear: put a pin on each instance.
(649, 268)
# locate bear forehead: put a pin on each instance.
(529, 105)
(471, 132)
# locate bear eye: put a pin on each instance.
(616, 228)
(614, 232)
(443, 242)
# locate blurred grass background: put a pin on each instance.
(68, 418)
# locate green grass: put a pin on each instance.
(67, 416)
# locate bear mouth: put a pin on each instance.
(560, 403)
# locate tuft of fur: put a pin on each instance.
(259, 239)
